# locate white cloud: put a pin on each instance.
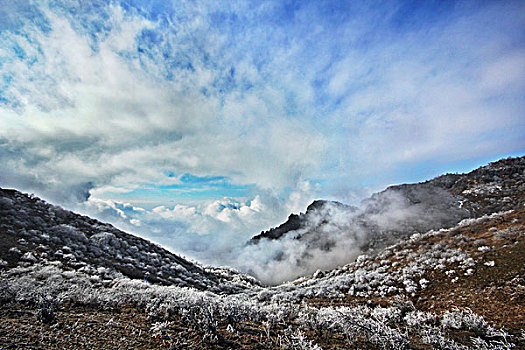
(129, 123)
(106, 102)
(426, 95)
(506, 71)
(211, 231)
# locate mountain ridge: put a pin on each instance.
(33, 229)
(473, 201)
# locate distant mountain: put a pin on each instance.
(33, 231)
(296, 222)
(400, 211)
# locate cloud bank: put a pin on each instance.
(200, 124)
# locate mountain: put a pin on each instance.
(400, 211)
(32, 230)
(297, 222)
(69, 281)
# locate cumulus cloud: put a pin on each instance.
(104, 114)
(210, 231)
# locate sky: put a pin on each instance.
(197, 124)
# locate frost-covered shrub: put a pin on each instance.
(105, 240)
(435, 338)
(380, 326)
(14, 251)
(46, 309)
(356, 322)
(464, 319)
(28, 257)
(158, 329)
(68, 233)
(387, 315)
(482, 344)
(296, 340)
(7, 294)
(417, 319)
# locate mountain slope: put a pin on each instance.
(32, 230)
(398, 212)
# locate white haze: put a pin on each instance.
(335, 235)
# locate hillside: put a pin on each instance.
(69, 281)
(395, 214)
(32, 231)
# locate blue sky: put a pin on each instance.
(197, 122)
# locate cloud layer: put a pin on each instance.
(216, 120)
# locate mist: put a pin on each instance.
(333, 235)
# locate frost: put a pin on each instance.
(15, 250)
(105, 240)
(29, 257)
(158, 329)
(469, 272)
